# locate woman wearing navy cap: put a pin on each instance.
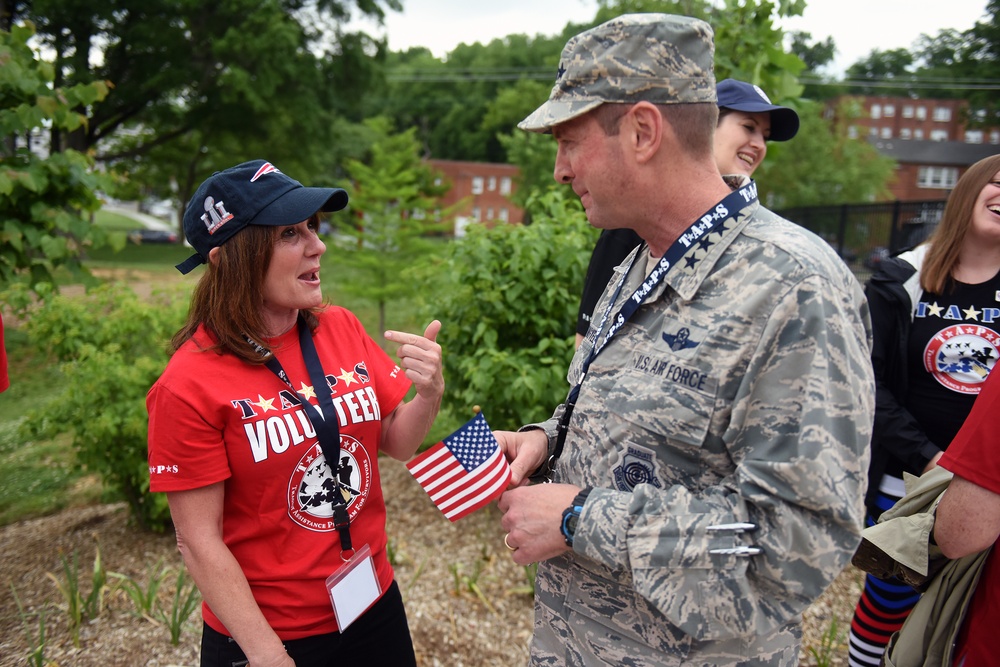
(747, 121)
(265, 430)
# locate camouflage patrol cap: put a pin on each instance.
(657, 58)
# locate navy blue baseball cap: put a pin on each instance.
(743, 96)
(252, 193)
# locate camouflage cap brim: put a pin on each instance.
(553, 112)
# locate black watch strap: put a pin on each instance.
(571, 516)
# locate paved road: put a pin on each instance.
(148, 221)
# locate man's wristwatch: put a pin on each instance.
(571, 515)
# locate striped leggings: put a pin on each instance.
(883, 607)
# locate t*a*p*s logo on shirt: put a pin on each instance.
(312, 489)
(961, 357)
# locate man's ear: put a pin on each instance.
(213, 256)
(646, 130)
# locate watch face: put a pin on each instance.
(571, 522)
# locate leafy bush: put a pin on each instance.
(111, 349)
(508, 299)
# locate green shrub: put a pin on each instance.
(111, 349)
(508, 299)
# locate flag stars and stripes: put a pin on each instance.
(465, 471)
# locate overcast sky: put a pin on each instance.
(857, 26)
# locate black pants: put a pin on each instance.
(380, 637)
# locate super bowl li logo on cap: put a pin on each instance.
(215, 215)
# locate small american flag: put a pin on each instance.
(463, 472)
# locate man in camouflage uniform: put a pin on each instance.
(710, 482)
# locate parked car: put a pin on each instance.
(875, 257)
(139, 236)
(161, 208)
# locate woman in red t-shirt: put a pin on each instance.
(968, 520)
(265, 430)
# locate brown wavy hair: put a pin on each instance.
(946, 241)
(228, 297)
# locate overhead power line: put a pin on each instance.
(900, 84)
(494, 74)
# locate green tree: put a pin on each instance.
(963, 65)
(45, 202)
(816, 55)
(871, 74)
(394, 204)
(534, 154)
(839, 169)
(510, 295)
(223, 82)
(450, 100)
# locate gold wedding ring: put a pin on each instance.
(507, 544)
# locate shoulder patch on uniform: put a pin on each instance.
(636, 465)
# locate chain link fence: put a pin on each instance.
(864, 234)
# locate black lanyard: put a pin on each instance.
(327, 429)
(711, 222)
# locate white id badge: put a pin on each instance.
(353, 588)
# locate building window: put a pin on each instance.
(477, 185)
(493, 183)
(889, 110)
(887, 133)
(477, 214)
(505, 185)
(873, 132)
(852, 131)
(905, 133)
(921, 113)
(907, 111)
(489, 213)
(918, 134)
(942, 114)
(939, 135)
(876, 111)
(437, 181)
(995, 136)
(504, 215)
(941, 178)
(973, 136)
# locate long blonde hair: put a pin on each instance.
(946, 241)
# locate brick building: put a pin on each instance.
(929, 169)
(482, 190)
(929, 138)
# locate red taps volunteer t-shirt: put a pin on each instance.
(214, 418)
(974, 454)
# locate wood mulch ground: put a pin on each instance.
(468, 604)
